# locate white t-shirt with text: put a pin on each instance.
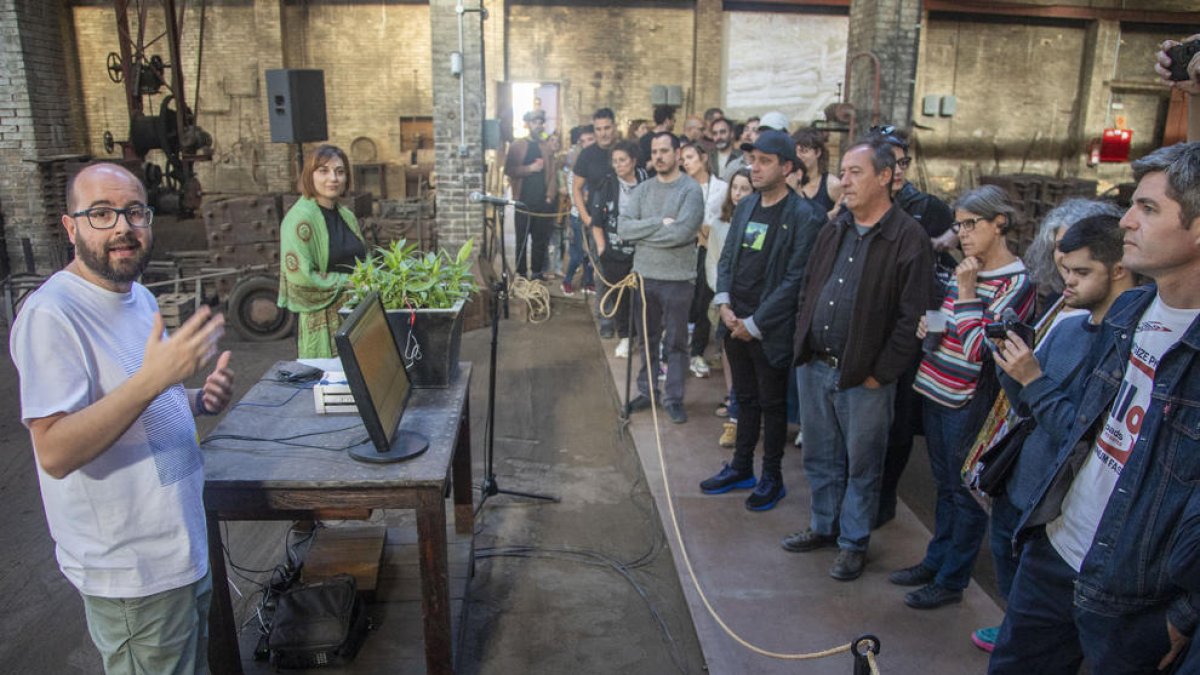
(130, 523)
(1072, 533)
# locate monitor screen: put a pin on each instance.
(374, 370)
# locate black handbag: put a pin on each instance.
(319, 624)
(996, 465)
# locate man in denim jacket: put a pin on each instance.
(1112, 568)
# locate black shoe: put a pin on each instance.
(931, 596)
(917, 575)
(766, 494)
(848, 565)
(676, 412)
(638, 403)
(808, 540)
(727, 479)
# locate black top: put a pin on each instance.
(533, 186)
(822, 197)
(831, 317)
(345, 248)
(594, 163)
(746, 284)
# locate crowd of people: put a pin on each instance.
(884, 307)
(874, 312)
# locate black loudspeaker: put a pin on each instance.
(296, 105)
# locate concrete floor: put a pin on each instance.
(588, 584)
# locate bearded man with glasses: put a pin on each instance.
(121, 475)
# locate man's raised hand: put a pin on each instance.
(173, 359)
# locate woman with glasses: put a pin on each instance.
(989, 281)
(320, 242)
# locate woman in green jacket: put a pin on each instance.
(319, 244)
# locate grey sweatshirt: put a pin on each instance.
(664, 252)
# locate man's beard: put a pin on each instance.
(126, 269)
(722, 145)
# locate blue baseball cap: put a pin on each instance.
(775, 143)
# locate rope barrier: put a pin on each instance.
(634, 280)
(536, 297)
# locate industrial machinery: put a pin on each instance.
(167, 124)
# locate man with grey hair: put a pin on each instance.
(1110, 570)
(868, 281)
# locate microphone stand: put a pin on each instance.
(489, 487)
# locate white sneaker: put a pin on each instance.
(698, 366)
(622, 350)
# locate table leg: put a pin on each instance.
(435, 582)
(464, 492)
(224, 656)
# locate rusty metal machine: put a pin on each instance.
(167, 124)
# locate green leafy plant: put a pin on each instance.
(406, 278)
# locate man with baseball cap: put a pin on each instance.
(529, 165)
(758, 282)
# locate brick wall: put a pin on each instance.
(39, 125)
(458, 139)
(888, 29)
(603, 56)
(376, 59)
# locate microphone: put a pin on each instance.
(478, 197)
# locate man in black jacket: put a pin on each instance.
(867, 286)
(758, 280)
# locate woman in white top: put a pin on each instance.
(695, 165)
(739, 187)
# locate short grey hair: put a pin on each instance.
(1181, 164)
(882, 157)
(1039, 257)
(988, 201)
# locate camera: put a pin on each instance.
(1009, 321)
(1181, 56)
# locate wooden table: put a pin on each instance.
(249, 478)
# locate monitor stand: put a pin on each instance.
(406, 445)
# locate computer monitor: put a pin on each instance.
(378, 382)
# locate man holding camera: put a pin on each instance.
(1110, 571)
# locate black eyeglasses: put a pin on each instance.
(105, 217)
(966, 224)
(887, 132)
(904, 162)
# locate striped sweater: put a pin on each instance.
(948, 375)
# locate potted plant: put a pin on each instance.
(423, 293)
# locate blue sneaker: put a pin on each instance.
(727, 479)
(767, 494)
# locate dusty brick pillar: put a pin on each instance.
(40, 124)
(457, 122)
(706, 45)
(889, 29)
(279, 159)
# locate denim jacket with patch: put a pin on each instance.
(1146, 553)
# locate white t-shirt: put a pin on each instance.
(1072, 533)
(130, 523)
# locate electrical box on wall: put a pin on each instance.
(664, 94)
(929, 105)
(948, 106)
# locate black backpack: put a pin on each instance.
(318, 624)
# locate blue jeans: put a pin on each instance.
(577, 254)
(959, 522)
(845, 435)
(1044, 632)
(1005, 518)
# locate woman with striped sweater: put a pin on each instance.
(989, 280)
